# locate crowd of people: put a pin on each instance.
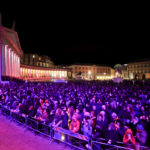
(115, 112)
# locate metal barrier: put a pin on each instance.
(96, 145)
(27, 121)
(102, 145)
(73, 139)
(5, 111)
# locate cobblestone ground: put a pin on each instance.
(16, 137)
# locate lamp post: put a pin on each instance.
(89, 73)
(104, 74)
(33, 59)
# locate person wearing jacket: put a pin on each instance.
(87, 129)
(74, 125)
(141, 134)
(128, 139)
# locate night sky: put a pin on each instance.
(78, 38)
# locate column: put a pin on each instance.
(15, 65)
(17, 70)
(18, 67)
(6, 61)
(0, 61)
(10, 62)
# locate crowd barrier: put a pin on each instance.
(73, 139)
(76, 140)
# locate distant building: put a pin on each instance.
(121, 71)
(91, 72)
(35, 60)
(139, 69)
(125, 73)
(35, 73)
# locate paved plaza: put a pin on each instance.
(16, 137)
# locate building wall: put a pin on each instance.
(138, 69)
(34, 73)
(91, 72)
(35, 60)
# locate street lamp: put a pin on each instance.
(89, 72)
(104, 75)
(33, 59)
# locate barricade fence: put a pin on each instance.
(76, 140)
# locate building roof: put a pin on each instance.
(10, 37)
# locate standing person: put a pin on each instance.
(141, 134)
(64, 120)
(129, 139)
(111, 134)
(74, 125)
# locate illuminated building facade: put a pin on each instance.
(91, 72)
(35, 60)
(32, 66)
(139, 70)
(34, 73)
(10, 53)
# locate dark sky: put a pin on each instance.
(78, 38)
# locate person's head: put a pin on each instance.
(128, 109)
(84, 110)
(142, 108)
(104, 107)
(139, 127)
(31, 107)
(114, 115)
(129, 132)
(74, 118)
(99, 117)
(111, 126)
(94, 107)
(86, 123)
(41, 100)
(102, 113)
(58, 111)
(92, 113)
(117, 125)
(135, 120)
(77, 110)
(63, 112)
(40, 109)
(46, 101)
(137, 105)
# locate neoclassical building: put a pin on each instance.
(15, 64)
(10, 53)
